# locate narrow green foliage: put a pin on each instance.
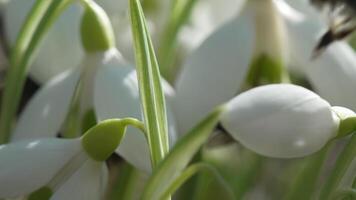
(43, 193)
(179, 157)
(191, 171)
(304, 185)
(41, 17)
(126, 183)
(181, 12)
(344, 194)
(344, 160)
(151, 93)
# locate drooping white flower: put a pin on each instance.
(333, 73)
(111, 93)
(43, 159)
(281, 120)
(60, 168)
(55, 57)
(215, 72)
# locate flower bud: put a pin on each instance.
(280, 120)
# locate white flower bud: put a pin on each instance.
(281, 120)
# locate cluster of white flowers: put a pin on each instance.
(275, 120)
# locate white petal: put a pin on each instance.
(214, 72)
(46, 111)
(117, 96)
(28, 165)
(206, 17)
(281, 120)
(333, 75)
(343, 112)
(53, 56)
(88, 183)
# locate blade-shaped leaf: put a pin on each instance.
(194, 169)
(344, 160)
(179, 157)
(303, 187)
(41, 17)
(181, 12)
(152, 97)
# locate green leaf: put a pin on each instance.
(344, 194)
(304, 185)
(194, 169)
(179, 157)
(151, 93)
(180, 14)
(42, 16)
(344, 160)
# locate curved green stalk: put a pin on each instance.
(344, 194)
(180, 14)
(179, 157)
(304, 185)
(192, 170)
(41, 17)
(344, 160)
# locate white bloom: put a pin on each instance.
(55, 57)
(42, 158)
(60, 165)
(112, 92)
(333, 73)
(215, 72)
(281, 120)
(60, 168)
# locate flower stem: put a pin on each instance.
(192, 170)
(180, 14)
(344, 160)
(42, 16)
(305, 182)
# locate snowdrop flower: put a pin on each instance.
(220, 67)
(60, 168)
(50, 60)
(55, 57)
(216, 70)
(282, 120)
(108, 88)
(333, 73)
(112, 93)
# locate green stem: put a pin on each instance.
(344, 194)
(341, 165)
(125, 185)
(192, 170)
(22, 54)
(247, 173)
(305, 182)
(181, 12)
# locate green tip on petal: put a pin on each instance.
(96, 30)
(347, 121)
(101, 141)
(43, 193)
(265, 70)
